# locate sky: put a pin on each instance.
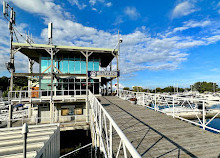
(165, 42)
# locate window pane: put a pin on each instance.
(71, 65)
(90, 65)
(77, 65)
(96, 64)
(44, 64)
(65, 65)
(60, 65)
(83, 65)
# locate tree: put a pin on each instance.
(137, 89)
(126, 88)
(205, 86)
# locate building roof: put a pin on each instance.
(33, 51)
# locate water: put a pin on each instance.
(214, 123)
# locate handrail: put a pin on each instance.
(100, 114)
(76, 150)
(157, 100)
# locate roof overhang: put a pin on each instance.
(33, 51)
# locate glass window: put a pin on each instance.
(90, 64)
(65, 65)
(71, 65)
(96, 64)
(44, 64)
(45, 84)
(77, 85)
(60, 65)
(83, 65)
(77, 65)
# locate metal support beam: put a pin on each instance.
(111, 80)
(87, 54)
(51, 92)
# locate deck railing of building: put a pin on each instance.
(24, 94)
(19, 120)
(175, 106)
(104, 128)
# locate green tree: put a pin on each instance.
(126, 88)
(205, 86)
(137, 89)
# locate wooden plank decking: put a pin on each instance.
(157, 135)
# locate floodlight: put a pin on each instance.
(50, 28)
(120, 40)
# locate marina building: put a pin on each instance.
(66, 74)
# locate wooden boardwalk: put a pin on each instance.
(154, 134)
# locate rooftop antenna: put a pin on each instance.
(50, 32)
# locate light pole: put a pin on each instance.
(117, 57)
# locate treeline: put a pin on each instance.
(19, 83)
(198, 86)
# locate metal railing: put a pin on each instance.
(44, 93)
(16, 115)
(64, 120)
(103, 128)
(78, 152)
(51, 147)
(192, 110)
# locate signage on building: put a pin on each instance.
(103, 73)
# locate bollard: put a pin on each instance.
(25, 132)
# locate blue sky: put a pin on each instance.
(165, 42)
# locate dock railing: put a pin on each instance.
(192, 110)
(103, 128)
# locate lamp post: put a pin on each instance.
(117, 57)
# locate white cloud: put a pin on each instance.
(139, 49)
(92, 2)
(131, 12)
(191, 24)
(109, 4)
(183, 9)
(76, 2)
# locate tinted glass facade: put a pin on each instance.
(70, 64)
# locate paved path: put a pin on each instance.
(154, 134)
